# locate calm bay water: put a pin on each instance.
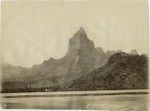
(127, 102)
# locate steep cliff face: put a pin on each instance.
(81, 58)
(84, 57)
(80, 41)
(84, 67)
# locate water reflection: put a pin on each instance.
(105, 102)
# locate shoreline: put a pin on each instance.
(75, 93)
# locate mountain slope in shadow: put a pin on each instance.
(122, 71)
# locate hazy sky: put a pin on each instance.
(35, 31)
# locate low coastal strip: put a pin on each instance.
(74, 93)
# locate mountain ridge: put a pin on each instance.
(81, 58)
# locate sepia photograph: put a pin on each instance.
(74, 55)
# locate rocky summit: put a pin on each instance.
(81, 58)
(67, 73)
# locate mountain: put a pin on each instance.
(84, 67)
(12, 72)
(122, 71)
(81, 58)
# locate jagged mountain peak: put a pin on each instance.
(81, 29)
(80, 40)
(80, 33)
(80, 61)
